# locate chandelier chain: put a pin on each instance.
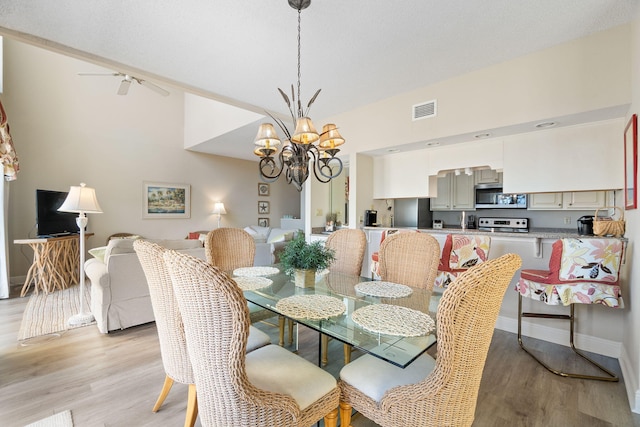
(299, 102)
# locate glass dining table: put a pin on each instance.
(390, 321)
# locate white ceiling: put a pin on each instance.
(357, 51)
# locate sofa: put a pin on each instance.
(269, 242)
(119, 291)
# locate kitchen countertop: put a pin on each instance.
(537, 233)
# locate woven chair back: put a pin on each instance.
(173, 345)
(216, 320)
(410, 259)
(349, 245)
(466, 318)
(230, 248)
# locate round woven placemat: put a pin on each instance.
(393, 320)
(252, 283)
(255, 271)
(313, 307)
(383, 289)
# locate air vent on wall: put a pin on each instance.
(424, 110)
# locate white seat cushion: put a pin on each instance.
(273, 368)
(257, 339)
(374, 376)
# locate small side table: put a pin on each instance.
(55, 263)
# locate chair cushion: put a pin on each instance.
(257, 339)
(571, 293)
(468, 251)
(590, 259)
(275, 369)
(373, 376)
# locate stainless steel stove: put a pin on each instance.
(504, 225)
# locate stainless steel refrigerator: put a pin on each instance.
(412, 213)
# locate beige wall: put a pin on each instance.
(70, 129)
(567, 79)
(631, 319)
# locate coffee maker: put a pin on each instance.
(370, 218)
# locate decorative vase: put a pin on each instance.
(305, 278)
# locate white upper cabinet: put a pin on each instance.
(487, 176)
(574, 158)
(546, 201)
(455, 192)
(401, 175)
(577, 200)
(584, 200)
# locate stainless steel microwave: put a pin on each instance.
(490, 196)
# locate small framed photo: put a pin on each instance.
(163, 200)
(263, 222)
(263, 207)
(263, 189)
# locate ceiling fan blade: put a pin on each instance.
(124, 87)
(100, 74)
(154, 87)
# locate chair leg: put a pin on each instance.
(192, 407)
(166, 387)
(345, 415)
(331, 419)
(571, 318)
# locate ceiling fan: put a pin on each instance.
(127, 79)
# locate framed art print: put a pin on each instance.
(163, 200)
(263, 189)
(263, 222)
(631, 163)
(263, 207)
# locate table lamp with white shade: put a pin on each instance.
(81, 200)
(219, 209)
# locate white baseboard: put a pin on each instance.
(630, 381)
(561, 336)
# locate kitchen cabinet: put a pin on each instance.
(584, 200)
(576, 200)
(455, 192)
(487, 176)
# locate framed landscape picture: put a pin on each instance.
(163, 200)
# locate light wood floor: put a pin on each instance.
(113, 380)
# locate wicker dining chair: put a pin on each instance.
(230, 248)
(460, 252)
(173, 348)
(268, 387)
(410, 259)
(349, 245)
(444, 391)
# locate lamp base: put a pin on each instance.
(81, 319)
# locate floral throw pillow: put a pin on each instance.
(468, 251)
(590, 259)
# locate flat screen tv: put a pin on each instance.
(50, 221)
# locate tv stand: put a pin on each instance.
(56, 263)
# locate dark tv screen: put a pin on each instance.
(50, 221)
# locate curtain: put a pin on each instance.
(10, 166)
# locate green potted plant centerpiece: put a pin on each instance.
(303, 260)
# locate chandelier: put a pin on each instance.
(304, 145)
